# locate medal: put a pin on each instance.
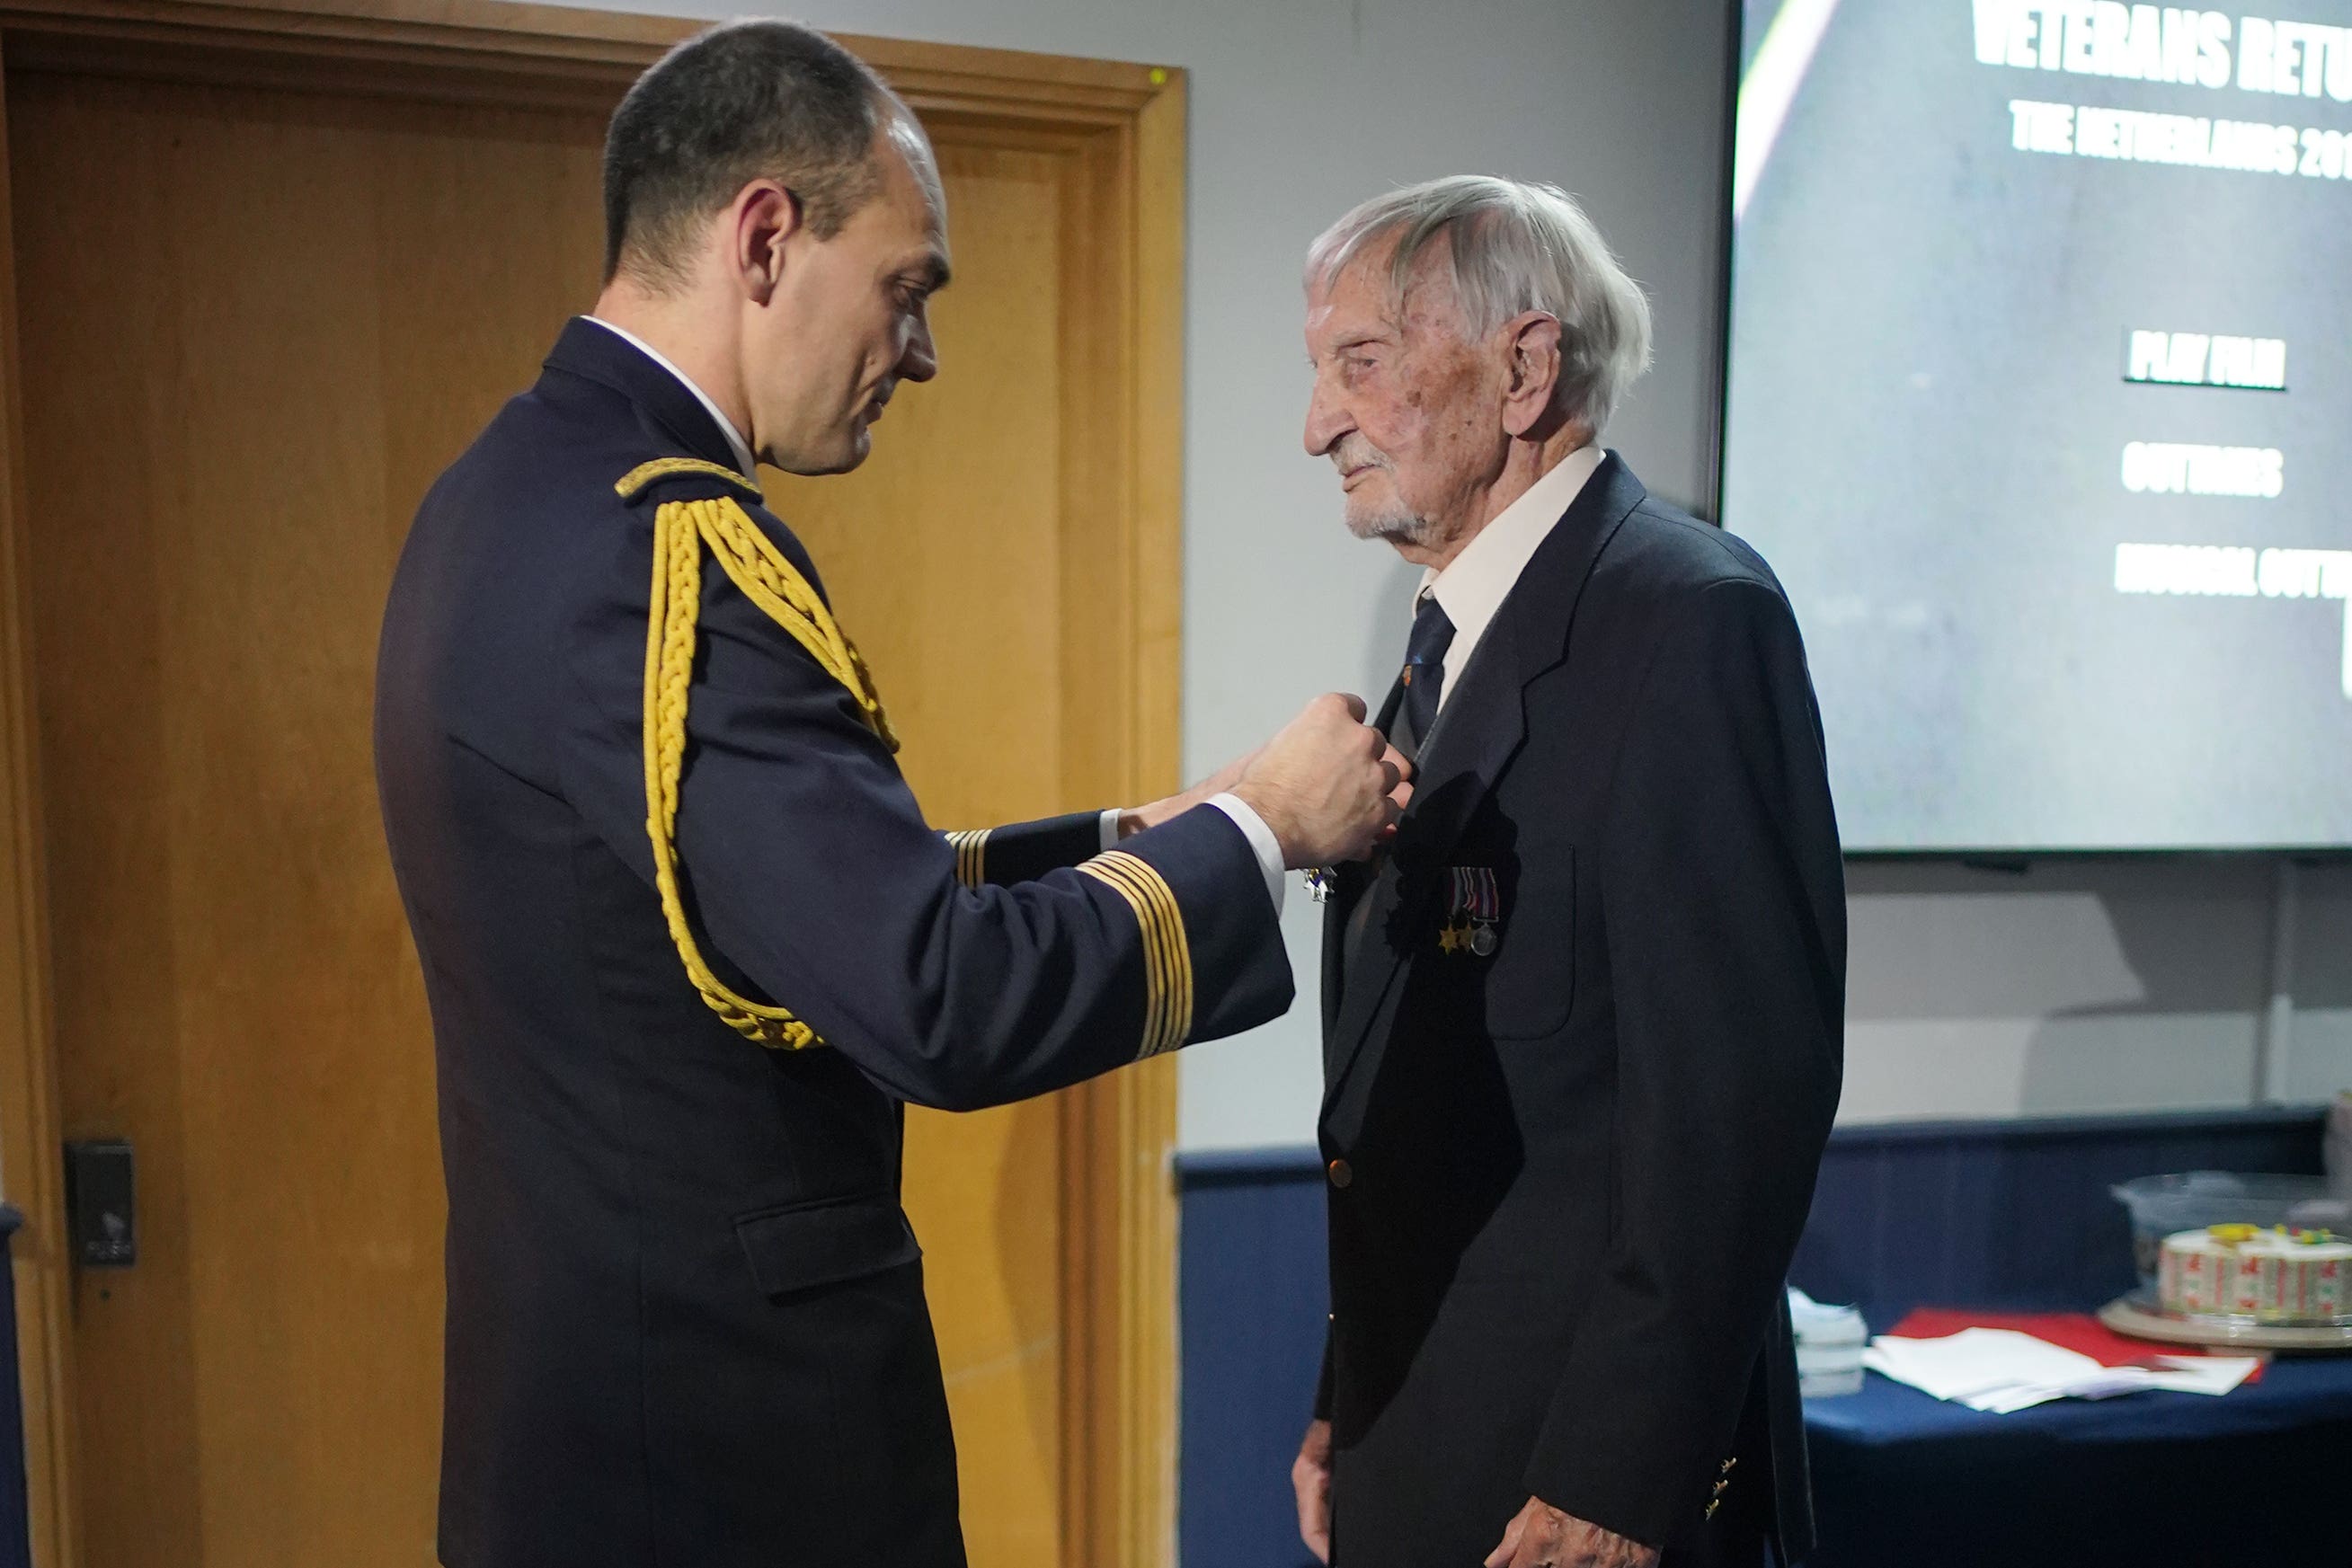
(1474, 911)
(1485, 908)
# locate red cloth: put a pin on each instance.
(2070, 1331)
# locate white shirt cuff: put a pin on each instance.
(1261, 840)
(1111, 828)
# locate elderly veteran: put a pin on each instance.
(1582, 1020)
(688, 942)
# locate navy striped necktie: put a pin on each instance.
(1425, 670)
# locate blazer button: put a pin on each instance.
(1341, 1172)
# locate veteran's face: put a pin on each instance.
(849, 322)
(1407, 411)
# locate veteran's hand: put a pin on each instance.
(1310, 1478)
(1543, 1537)
(1330, 786)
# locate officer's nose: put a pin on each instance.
(920, 362)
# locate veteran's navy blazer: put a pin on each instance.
(685, 1316)
(1568, 1172)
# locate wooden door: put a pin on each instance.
(254, 323)
(958, 556)
(940, 554)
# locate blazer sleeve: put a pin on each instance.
(812, 881)
(1026, 850)
(1723, 897)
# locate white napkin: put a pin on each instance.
(2001, 1370)
(1828, 1346)
(1820, 1324)
(2203, 1374)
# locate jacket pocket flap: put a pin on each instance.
(802, 1248)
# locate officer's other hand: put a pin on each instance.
(1221, 782)
(1330, 786)
(1310, 1478)
(1544, 1537)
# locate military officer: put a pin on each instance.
(688, 942)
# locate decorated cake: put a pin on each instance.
(2277, 1275)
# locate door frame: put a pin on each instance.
(1127, 123)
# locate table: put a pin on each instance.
(2145, 1481)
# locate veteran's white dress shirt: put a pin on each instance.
(1473, 585)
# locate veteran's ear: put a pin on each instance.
(1532, 340)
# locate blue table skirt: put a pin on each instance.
(2154, 1480)
(16, 1544)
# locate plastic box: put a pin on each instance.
(2190, 1200)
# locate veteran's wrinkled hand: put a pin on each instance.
(1310, 1481)
(1544, 1537)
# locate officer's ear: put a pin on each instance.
(758, 222)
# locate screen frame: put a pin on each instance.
(1735, 40)
(1997, 858)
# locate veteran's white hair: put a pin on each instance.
(1514, 246)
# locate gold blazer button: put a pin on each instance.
(1341, 1172)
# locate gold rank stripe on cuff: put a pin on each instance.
(1166, 962)
(1167, 957)
(972, 856)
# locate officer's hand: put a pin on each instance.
(1310, 1478)
(1218, 783)
(1328, 786)
(1544, 1537)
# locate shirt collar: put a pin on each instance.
(1473, 585)
(735, 442)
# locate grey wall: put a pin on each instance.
(2096, 984)
(2091, 985)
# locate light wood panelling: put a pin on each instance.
(29, 1111)
(943, 557)
(1050, 1226)
(223, 442)
(262, 376)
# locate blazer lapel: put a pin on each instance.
(1349, 885)
(1480, 730)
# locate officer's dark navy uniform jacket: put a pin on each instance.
(1576, 1165)
(686, 1318)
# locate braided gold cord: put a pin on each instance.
(644, 474)
(752, 560)
(769, 582)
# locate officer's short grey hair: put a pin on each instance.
(1515, 245)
